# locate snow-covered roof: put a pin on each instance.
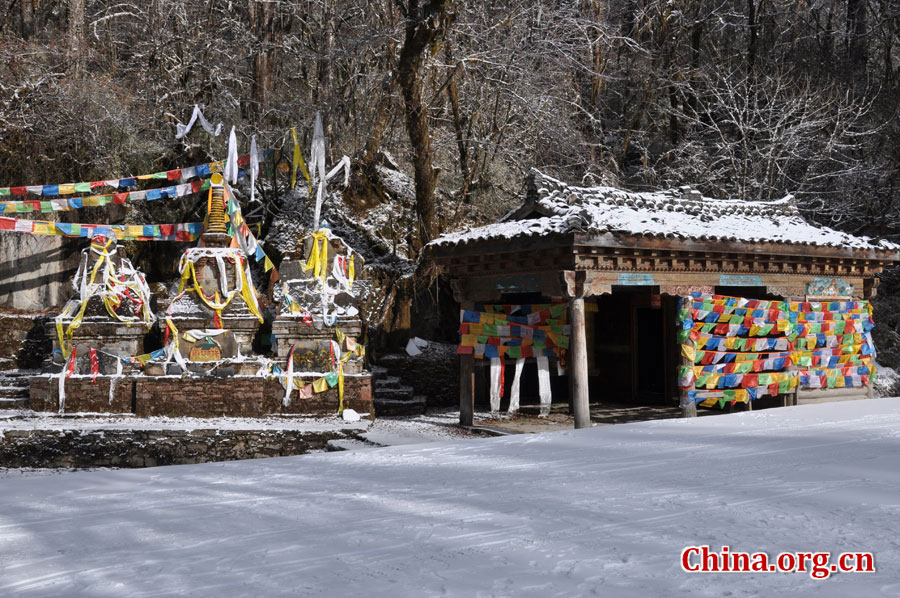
(552, 206)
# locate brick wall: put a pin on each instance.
(196, 397)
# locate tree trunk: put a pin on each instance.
(425, 24)
(856, 34)
(261, 19)
(76, 33)
(26, 10)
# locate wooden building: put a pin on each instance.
(650, 280)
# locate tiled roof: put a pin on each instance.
(555, 207)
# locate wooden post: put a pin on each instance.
(689, 408)
(466, 390)
(466, 382)
(578, 363)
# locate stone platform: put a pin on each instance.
(173, 396)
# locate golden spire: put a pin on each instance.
(217, 220)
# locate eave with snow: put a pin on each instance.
(568, 243)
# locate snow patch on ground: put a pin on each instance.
(605, 511)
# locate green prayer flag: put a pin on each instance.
(331, 378)
(46, 206)
(514, 352)
(82, 187)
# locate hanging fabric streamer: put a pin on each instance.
(182, 130)
(254, 168)
(95, 364)
(114, 379)
(298, 163)
(197, 114)
(544, 385)
(231, 164)
(289, 377)
(317, 166)
(495, 384)
(516, 383)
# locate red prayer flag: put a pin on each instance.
(174, 175)
(18, 190)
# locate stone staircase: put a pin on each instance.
(14, 388)
(392, 396)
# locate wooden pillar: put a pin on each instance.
(466, 390)
(578, 363)
(689, 408)
(466, 383)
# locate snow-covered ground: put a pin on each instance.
(605, 511)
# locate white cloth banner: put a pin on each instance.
(516, 384)
(544, 385)
(289, 378)
(182, 130)
(231, 166)
(254, 168)
(496, 368)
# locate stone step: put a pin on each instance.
(388, 382)
(392, 360)
(400, 393)
(413, 406)
(8, 363)
(17, 403)
(13, 392)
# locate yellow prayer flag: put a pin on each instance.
(267, 264)
(320, 385)
(67, 189)
(340, 336)
(688, 353)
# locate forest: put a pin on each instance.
(751, 99)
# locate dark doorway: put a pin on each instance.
(650, 354)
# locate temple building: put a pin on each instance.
(664, 298)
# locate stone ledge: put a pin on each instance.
(196, 397)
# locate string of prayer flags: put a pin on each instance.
(772, 346)
(75, 203)
(186, 231)
(514, 331)
(199, 170)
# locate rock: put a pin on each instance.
(350, 415)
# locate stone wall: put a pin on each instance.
(195, 397)
(149, 448)
(36, 272)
